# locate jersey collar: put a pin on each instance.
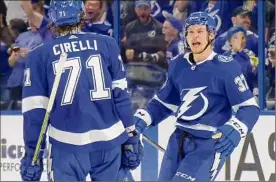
(210, 57)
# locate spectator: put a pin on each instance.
(143, 39)
(251, 5)
(6, 41)
(37, 19)
(24, 41)
(240, 17)
(95, 16)
(236, 36)
(172, 29)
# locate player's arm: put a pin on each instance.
(163, 104)
(241, 100)
(35, 99)
(35, 18)
(120, 93)
(247, 111)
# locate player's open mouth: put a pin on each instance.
(196, 44)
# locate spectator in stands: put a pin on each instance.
(240, 17)
(24, 41)
(236, 37)
(95, 16)
(143, 38)
(251, 5)
(172, 29)
(6, 41)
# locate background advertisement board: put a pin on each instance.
(253, 160)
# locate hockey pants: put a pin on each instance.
(102, 165)
(190, 158)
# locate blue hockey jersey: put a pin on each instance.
(201, 96)
(92, 106)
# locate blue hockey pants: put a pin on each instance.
(101, 165)
(190, 158)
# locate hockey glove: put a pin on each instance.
(28, 171)
(231, 134)
(133, 152)
(140, 125)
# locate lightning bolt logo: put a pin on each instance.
(190, 97)
(215, 165)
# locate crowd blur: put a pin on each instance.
(151, 36)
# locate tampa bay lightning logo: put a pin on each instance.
(189, 98)
(217, 18)
(225, 59)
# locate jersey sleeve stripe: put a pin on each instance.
(122, 84)
(144, 115)
(34, 102)
(198, 126)
(249, 102)
(238, 125)
(88, 137)
(169, 106)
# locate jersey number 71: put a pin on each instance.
(94, 63)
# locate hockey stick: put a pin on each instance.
(158, 147)
(155, 145)
(43, 130)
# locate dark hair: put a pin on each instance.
(18, 26)
(5, 36)
(3, 12)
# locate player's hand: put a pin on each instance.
(229, 136)
(133, 152)
(28, 171)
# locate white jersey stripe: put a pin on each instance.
(34, 102)
(249, 102)
(88, 137)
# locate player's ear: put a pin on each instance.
(211, 36)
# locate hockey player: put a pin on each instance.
(201, 90)
(91, 129)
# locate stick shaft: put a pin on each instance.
(43, 130)
(155, 145)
